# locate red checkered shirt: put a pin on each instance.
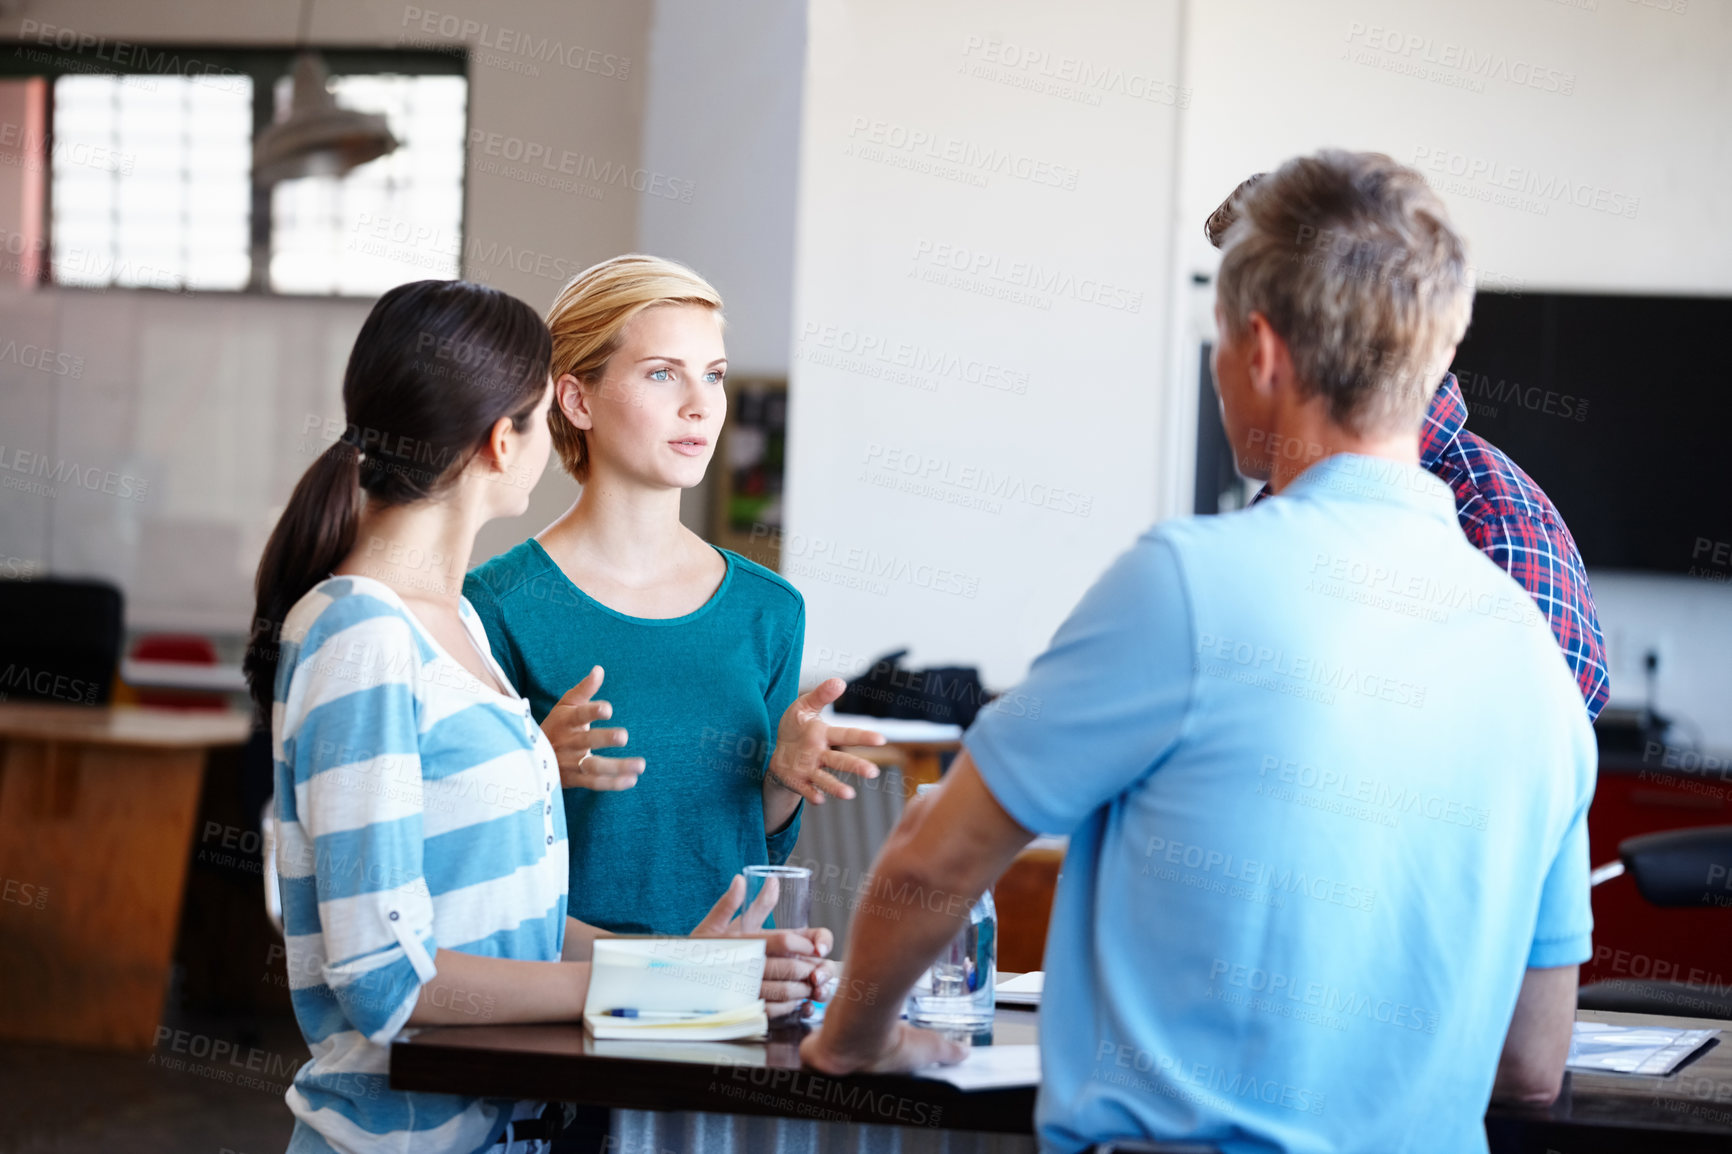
(1510, 519)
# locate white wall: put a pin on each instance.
(1644, 124)
(723, 109)
(189, 424)
(969, 449)
(1580, 145)
(1640, 140)
(207, 399)
(1687, 621)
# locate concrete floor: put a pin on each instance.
(75, 1101)
(192, 1095)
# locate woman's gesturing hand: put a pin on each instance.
(567, 727)
(805, 747)
(795, 965)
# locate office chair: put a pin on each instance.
(1678, 869)
(59, 641)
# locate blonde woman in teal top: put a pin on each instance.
(712, 751)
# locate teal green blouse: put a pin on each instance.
(700, 697)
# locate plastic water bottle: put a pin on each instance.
(956, 993)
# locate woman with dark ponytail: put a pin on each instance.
(421, 847)
(437, 367)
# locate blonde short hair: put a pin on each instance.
(1352, 259)
(588, 322)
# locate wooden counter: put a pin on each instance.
(97, 808)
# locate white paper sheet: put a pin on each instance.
(1022, 990)
(896, 728)
(1603, 1048)
(991, 1067)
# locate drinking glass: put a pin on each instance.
(788, 902)
(783, 896)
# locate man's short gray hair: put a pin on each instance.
(1352, 260)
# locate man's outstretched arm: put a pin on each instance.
(1530, 1072)
(948, 848)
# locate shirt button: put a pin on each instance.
(394, 913)
(549, 842)
(549, 807)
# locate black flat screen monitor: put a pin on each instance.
(1621, 408)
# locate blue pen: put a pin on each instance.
(658, 1013)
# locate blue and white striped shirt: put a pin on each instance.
(418, 810)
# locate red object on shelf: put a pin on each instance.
(183, 649)
(1633, 939)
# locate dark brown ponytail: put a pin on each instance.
(435, 366)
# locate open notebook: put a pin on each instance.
(1655, 1051)
(676, 989)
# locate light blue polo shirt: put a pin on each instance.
(1326, 777)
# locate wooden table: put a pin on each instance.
(563, 1063)
(922, 761)
(97, 808)
(1687, 1112)
(919, 747)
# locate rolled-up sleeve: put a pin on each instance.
(1104, 703)
(358, 795)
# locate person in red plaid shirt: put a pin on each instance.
(1503, 512)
